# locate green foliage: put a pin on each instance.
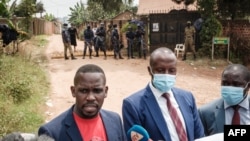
(127, 25)
(40, 8)
(186, 2)
(26, 9)
(49, 17)
(78, 14)
(211, 26)
(110, 6)
(23, 84)
(6, 12)
(233, 8)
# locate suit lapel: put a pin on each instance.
(219, 112)
(108, 124)
(155, 110)
(71, 127)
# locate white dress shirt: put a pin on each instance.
(162, 102)
(243, 110)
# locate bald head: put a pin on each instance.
(237, 69)
(162, 53)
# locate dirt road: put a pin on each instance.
(123, 78)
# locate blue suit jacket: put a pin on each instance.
(213, 116)
(64, 128)
(142, 108)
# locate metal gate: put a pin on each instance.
(167, 29)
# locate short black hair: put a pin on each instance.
(115, 25)
(89, 68)
(243, 70)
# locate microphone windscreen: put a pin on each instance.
(137, 133)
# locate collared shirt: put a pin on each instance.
(162, 102)
(243, 110)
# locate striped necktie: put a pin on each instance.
(176, 120)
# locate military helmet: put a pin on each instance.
(188, 22)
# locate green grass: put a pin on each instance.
(23, 86)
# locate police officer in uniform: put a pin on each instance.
(66, 42)
(115, 42)
(100, 40)
(88, 38)
(130, 35)
(139, 36)
(189, 40)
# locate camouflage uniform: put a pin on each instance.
(189, 40)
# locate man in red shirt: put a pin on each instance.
(85, 120)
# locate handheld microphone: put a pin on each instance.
(138, 133)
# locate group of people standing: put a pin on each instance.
(138, 38)
(96, 37)
(166, 112)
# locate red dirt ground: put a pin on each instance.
(124, 77)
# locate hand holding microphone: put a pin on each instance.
(138, 133)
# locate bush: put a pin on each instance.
(23, 84)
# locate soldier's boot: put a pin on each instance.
(84, 54)
(66, 57)
(184, 57)
(105, 56)
(144, 55)
(90, 54)
(72, 57)
(120, 56)
(97, 54)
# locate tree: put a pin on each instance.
(211, 26)
(40, 8)
(233, 8)
(26, 9)
(6, 12)
(78, 14)
(49, 17)
(110, 5)
(186, 2)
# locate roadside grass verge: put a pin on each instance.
(23, 86)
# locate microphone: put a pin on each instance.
(138, 133)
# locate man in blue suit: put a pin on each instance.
(148, 107)
(235, 84)
(85, 120)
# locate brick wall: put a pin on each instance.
(239, 33)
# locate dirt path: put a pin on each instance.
(123, 78)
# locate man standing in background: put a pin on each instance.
(189, 40)
(73, 35)
(67, 42)
(130, 35)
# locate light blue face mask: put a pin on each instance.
(164, 82)
(232, 95)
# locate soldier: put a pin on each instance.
(73, 35)
(130, 35)
(139, 37)
(66, 42)
(189, 40)
(100, 40)
(88, 37)
(108, 38)
(115, 42)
